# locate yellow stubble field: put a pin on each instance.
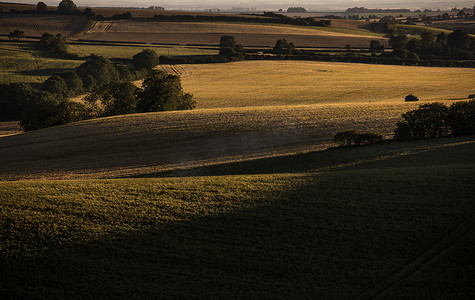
(264, 83)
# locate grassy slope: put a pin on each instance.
(22, 62)
(331, 232)
(144, 143)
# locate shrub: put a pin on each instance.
(471, 96)
(411, 97)
(16, 34)
(356, 138)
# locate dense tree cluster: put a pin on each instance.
(111, 93)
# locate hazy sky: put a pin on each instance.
(270, 4)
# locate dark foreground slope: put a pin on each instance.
(392, 220)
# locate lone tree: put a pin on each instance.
(147, 59)
(67, 6)
(41, 7)
(163, 92)
(16, 34)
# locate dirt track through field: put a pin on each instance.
(382, 289)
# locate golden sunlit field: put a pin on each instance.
(256, 83)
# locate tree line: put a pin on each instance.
(433, 120)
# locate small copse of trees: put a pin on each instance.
(284, 47)
(230, 49)
(436, 120)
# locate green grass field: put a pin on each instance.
(334, 224)
(22, 62)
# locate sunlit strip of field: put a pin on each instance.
(260, 83)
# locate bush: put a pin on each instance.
(471, 96)
(411, 97)
(147, 59)
(163, 92)
(356, 138)
(428, 121)
(16, 34)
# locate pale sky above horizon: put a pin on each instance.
(268, 4)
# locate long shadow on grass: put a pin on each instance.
(391, 153)
(318, 236)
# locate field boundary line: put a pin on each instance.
(380, 289)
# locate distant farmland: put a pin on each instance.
(209, 33)
(36, 25)
(256, 83)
